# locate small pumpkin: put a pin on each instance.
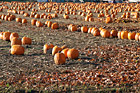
(84, 29)
(64, 51)
(89, 30)
(6, 36)
(105, 33)
(131, 36)
(113, 33)
(1, 35)
(54, 26)
(26, 41)
(124, 35)
(108, 20)
(73, 53)
(24, 21)
(14, 34)
(39, 24)
(15, 41)
(55, 50)
(18, 20)
(119, 34)
(59, 58)
(17, 50)
(137, 36)
(49, 23)
(33, 22)
(96, 32)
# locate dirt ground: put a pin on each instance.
(95, 52)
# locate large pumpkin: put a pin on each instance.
(131, 36)
(6, 36)
(33, 22)
(26, 41)
(47, 47)
(64, 51)
(73, 53)
(54, 26)
(124, 35)
(17, 50)
(59, 58)
(55, 50)
(15, 41)
(113, 33)
(137, 36)
(84, 29)
(105, 33)
(39, 24)
(14, 34)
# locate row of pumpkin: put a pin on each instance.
(18, 49)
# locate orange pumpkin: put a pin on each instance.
(54, 26)
(15, 41)
(1, 35)
(37, 16)
(64, 51)
(73, 53)
(64, 46)
(108, 20)
(96, 32)
(26, 41)
(24, 21)
(17, 50)
(105, 33)
(49, 23)
(84, 29)
(6, 36)
(59, 58)
(33, 22)
(137, 36)
(124, 35)
(119, 34)
(55, 50)
(89, 30)
(131, 35)
(113, 33)
(14, 34)
(18, 20)
(47, 47)
(39, 24)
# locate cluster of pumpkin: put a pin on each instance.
(105, 33)
(47, 23)
(8, 17)
(16, 42)
(61, 53)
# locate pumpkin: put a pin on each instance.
(124, 35)
(33, 22)
(6, 36)
(91, 19)
(84, 29)
(137, 36)
(47, 47)
(6, 18)
(39, 24)
(18, 20)
(119, 34)
(24, 21)
(15, 41)
(96, 32)
(113, 33)
(54, 26)
(59, 59)
(89, 30)
(26, 15)
(37, 16)
(17, 50)
(73, 53)
(1, 35)
(108, 20)
(105, 33)
(55, 50)
(66, 16)
(26, 41)
(131, 35)
(87, 18)
(64, 51)
(49, 23)
(14, 34)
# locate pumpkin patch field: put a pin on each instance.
(69, 47)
